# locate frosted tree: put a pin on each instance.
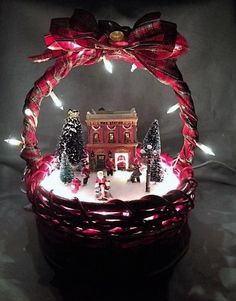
(71, 139)
(156, 170)
(66, 171)
(152, 138)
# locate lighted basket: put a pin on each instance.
(81, 40)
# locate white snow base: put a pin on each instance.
(120, 188)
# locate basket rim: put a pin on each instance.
(183, 172)
(126, 223)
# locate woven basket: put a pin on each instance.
(116, 224)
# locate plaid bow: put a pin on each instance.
(150, 40)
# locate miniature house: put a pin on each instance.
(112, 133)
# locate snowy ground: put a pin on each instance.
(120, 188)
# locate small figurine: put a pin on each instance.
(135, 176)
(102, 186)
(85, 173)
(92, 162)
(75, 185)
(110, 166)
(85, 158)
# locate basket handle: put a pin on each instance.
(72, 48)
(43, 86)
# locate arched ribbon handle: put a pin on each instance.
(81, 40)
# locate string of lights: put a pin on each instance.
(58, 103)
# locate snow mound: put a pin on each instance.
(120, 187)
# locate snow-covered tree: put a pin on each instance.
(66, 171)
(152, 138)
(156, 170)
(71, 139)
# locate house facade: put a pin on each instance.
(112, 133)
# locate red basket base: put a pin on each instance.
(70, 258)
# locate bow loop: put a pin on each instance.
(61, 27)
(147, 19)
(83, 22)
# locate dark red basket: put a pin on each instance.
(152, 44)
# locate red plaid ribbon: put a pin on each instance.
(82, 32)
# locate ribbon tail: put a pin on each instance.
(47, 55)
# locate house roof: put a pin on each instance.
(103, 114)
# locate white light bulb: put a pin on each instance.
(205, 148)
(107, 64)
(28, 112)
(56, 100)
(173, 108)
(13, 141)
(133, 67)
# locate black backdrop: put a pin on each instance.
(208, 68)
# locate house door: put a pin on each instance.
(100, 162)
(122, 161)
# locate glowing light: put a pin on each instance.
(149, 218)
(133, 68)
(205, 149)
(173, 108)
(13, 141)
(105, 212)
(28, 112)
(107, 64)
(125, 213)
(56, 100)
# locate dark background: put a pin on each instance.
(208, 270)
